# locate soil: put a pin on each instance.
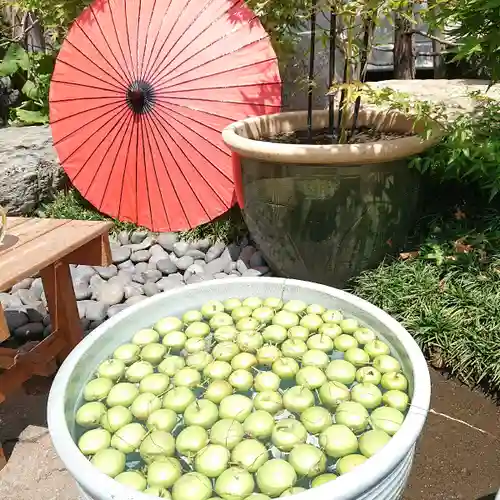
(323, 137)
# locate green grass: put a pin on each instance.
(447, 294)
(453, 316)
(69, 204)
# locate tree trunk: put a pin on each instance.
(404, 47)
(438, 59)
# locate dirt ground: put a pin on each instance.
(458, 457)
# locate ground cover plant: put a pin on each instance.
(445, 287)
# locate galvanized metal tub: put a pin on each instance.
(382, 477)
(325, 213)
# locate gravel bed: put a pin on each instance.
(144, 264)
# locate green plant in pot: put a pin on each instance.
(327, 193)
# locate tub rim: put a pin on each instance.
(102, 487)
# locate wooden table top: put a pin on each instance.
(32, 244)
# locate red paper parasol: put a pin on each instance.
(140, 94)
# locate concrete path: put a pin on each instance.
(458, 457)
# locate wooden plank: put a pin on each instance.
(7, 357)
(62, 306)
(47, 248)
(39, 360)
(94, 253)
(4, 329)
(3, 460)
(16, 221)
(27, 232)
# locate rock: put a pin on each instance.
(263, 270)
(133, 290)
(134, 300)
(140, 256)
(96, 282)
(27, 296)
(83, 273)
(141, 267)
(166, 266)
(94, 324)
(157, 255)
(106, 272)
(123, 278)
(46, 320)
(10, 301)
(47, 330)
(15, 319)
(193, 269)
(180, 248)
(152, 275)
(233, 250)
(197, 278)
(214, 251)
(144, 245)
(37, 287)
(139, 278)
(82, 291)
(230, 266)
(120, 254)
(235, 273)
(196, 254)
(151, 289)
(251, 273)
(200, 262)
(126, 265)
(151, 266)
(169, 284)
(95, 311)
(184, 262)
(203, 244)
(23, 284)
(36, 315)
(241, 267)
(219, 276)
(167, 240)
(82, 307)
(123, 237)
(257, 260)
(138, 236)
(217, 265)
(246, 253)
(176, 277)
(85, 323)
(116, 309)
(29, 170)
(30, 331)
(110, 294)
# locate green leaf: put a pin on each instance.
(30, 90)
(31, 117)
(17, 54)
(8, 68)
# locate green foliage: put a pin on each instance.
(70, 204)
(54, 15)
(31, 72)
(454, 315)
(474, 24)
(470, 150)
(282, 19)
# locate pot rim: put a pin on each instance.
(242, 138)
(102, 487)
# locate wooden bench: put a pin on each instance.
(46, 247)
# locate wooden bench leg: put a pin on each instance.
(3, 460)
(62, 306)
